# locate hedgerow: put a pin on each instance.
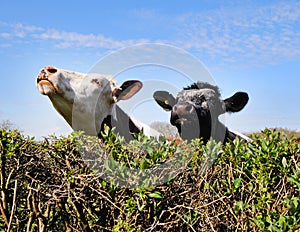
(77, 183)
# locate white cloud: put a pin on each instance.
(243, 34)
(27, 28)
(70, 39)
(5, 45)
(5, 35)
(18, 30)
(63, 39)
(267, 34)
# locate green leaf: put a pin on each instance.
(144, 163)
(294, 180)
(250, 187)
(238, 207)
(156, 195)
(237, 183)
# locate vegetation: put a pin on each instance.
(7, 125)
(77, 183)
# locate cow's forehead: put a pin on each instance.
(194, 94)
(87, 84)
(101, 81)
(90, 78)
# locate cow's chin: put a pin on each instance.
(189, 133)
(188, 129)
(46, 87)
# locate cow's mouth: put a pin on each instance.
(185, 120)
(45, 86)
(44, 82)
(180, 121)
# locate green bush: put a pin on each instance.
(76, 183)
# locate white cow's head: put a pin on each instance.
(84, 100)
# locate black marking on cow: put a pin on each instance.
(204, 85)
(122, 122)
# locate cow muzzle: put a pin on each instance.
(181, 113)
(43, 81)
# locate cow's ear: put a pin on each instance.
(127, 90)
(164, 99)
(236, 102)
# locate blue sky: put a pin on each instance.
(251, 46)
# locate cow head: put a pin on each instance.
(196, 109)
(90, 96)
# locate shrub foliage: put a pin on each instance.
(49, 186)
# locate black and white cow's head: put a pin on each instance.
(196, 109)
(87, 101)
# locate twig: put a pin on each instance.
(13, 205)
(210, 224)
(185, 222)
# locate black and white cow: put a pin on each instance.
(196, 109)
(88, 101)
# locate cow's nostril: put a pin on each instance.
(51, 70)
(174, 108)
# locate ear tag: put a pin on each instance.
(166, 102)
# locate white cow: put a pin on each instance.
(88, 101)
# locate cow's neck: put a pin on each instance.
(205, 130)
(122, 122)
(63, 107)
(215, 130)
